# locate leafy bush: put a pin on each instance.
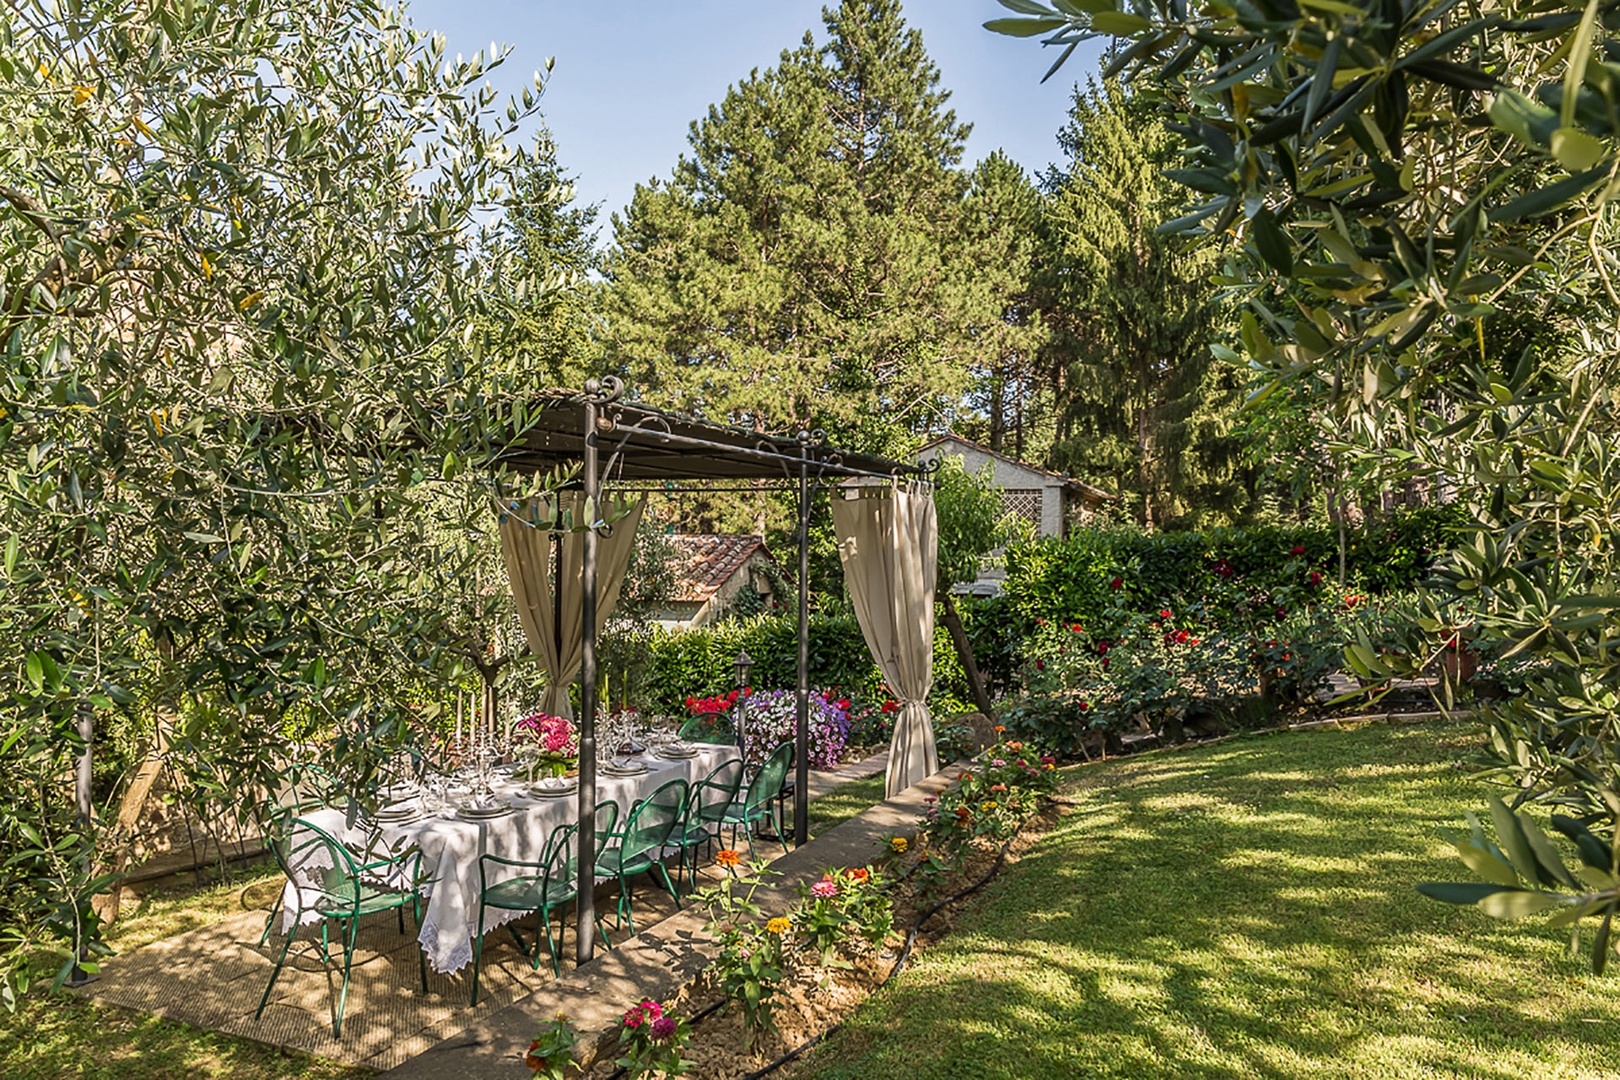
(772, 719)
(1074, 579)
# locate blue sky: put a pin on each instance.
(631, 76)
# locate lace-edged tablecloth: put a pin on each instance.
(450, 849)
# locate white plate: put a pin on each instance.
(634, 770)
(485, 813)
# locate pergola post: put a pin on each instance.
(585, 838)
(801, 729)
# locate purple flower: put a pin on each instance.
(663, 1028)
(998, 763)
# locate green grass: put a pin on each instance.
(844, 802)
(62, 1035)
(1244, 910)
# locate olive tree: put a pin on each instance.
(245, 244)
(1422, 190)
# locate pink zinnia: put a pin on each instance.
(663, 1028)
(824, 890)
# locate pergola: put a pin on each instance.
(639, 448)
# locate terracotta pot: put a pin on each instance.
(1460, 662)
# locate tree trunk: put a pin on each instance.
(964, 650)
(107, 904)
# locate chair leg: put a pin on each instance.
(275, 972)
(478, 953)
(351, 933)
(269, 921)
(663, 872)
(545, 926)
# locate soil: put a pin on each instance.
(815, 998)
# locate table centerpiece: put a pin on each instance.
(550, 746)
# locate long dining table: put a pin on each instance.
(450, 846)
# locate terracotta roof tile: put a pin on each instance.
(707, 561)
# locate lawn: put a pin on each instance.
(1244, 910)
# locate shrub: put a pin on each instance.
(773, 718)
(1082, 577)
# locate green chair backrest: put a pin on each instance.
(772, 775)
(607, 819)
(714, 794)
(711, 727)
(299, 848)
(653, 819)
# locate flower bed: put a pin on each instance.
(772, 717)
(783, 977)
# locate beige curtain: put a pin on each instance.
(887, 541)
(526, 547)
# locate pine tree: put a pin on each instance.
(1140, 395)
(547, 294)
(1011, 397)
(800, 267)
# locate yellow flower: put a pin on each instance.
(899, 845)
(779, 925)
(987, 806)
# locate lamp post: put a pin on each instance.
(740, 668)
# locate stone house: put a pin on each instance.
(1050, 502)
(711, 575)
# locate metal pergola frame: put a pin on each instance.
(649, 446)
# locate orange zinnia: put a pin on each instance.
(727, 857)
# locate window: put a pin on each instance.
(1023, 504)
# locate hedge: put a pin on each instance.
(1072, 579)
(697, 663)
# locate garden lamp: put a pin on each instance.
(740, 668)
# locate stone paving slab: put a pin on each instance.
(213, 976)
(663, 959)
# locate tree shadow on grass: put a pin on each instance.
(1246, 914)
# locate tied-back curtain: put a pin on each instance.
(526, 547)
(888, 542)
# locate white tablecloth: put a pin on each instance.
(450, 850)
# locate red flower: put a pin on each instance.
(1282, 613)
(1084, 705)
(1040, 622)
(1116, 583)
(1316, 578)
(1298, 549)
(1040, 665)
(1194, 641)
(1076, 628)
(1165, 614)
(1223, 568)
(843, 703)
(1181, 637)
(1102, 648)
(1105, 663)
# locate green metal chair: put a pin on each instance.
(304, 788)
(706, 809)
(646, 833)
(339, 891)
(710, 727)
(759, 803)
(551, 887)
